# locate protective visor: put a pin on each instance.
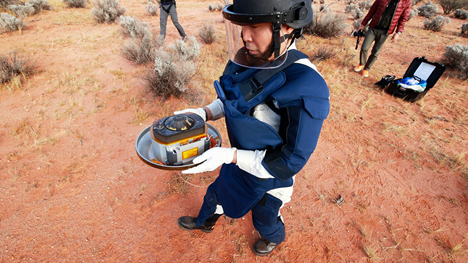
(240, 55)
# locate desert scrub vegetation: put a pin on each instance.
(428, 10)
(215, 7)
(461, 14)
(456, 57)
(10, 23)
(107, 11)
(141, 46)
(464, 30)
(327, 25)
(15, 66)
(173, 69)
(133, 27)
(207, 33)
(140, 50)
(450, 5)
(76, 3)
(354, 10)
(365, 5)
(40, 5)
(413, 13)
(436, 24)
(30, 8)
(22, 10)
(152, 9)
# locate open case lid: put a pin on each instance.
(425, 70)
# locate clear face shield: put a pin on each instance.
(250, 45)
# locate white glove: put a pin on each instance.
(199, 111)
(213, 158)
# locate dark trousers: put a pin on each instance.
(163, 21)
(377, 35)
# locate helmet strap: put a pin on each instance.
(276, 39)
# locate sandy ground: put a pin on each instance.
(72, 188)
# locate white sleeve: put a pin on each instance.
(251, 162)
(217, 109)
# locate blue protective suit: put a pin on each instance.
(301, 97)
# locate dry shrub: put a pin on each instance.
(133, 27)
(351, 7)
(450, 5)
(188, 49)
(464, 30)
(456, 57)
(9, 23)
(328, 25)
(365, 5)
(207, 33)
(436, 24)
(461, 14)
(413, 13)
(76, 3)
(40, 5)
(428, 10)
(357, 13)
(324, 53)
(152, 9)
(140, 50)
(22, 10)
(172, 70)
(13, 65)
(107, 11)
(5, 3)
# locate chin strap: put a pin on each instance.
(278, 40)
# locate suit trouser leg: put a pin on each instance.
(266, 219)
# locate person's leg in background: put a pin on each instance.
(380, 38)
(162, 23)
(370, 37)
(174, 19)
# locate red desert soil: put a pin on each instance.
(72, 188)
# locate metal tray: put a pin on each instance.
(144, 149)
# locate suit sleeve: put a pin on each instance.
(300, 128)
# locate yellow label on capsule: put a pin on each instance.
(189, 153)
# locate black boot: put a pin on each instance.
(264, 247)
(189, 223)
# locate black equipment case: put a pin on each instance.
(423, 69)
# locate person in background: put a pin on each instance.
(386, 15)
(168, 7)
(274, 103)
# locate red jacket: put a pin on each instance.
(400, 16)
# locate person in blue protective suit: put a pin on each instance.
(274, 103)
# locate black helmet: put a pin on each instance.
(295, 13)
